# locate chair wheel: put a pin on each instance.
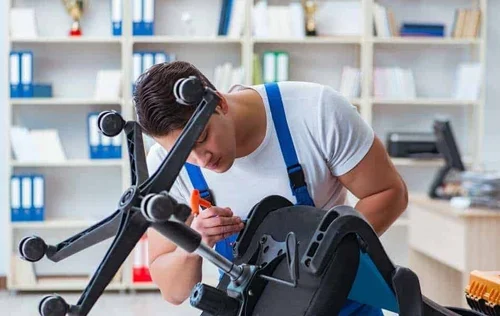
(110, 123)
(53, 305)
(32, 248)
(188, 91)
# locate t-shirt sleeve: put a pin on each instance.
(345, 137)
(154, 159)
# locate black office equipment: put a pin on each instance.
(411, 145)
(289, 260)
(448, 149)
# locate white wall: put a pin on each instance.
(491, 153)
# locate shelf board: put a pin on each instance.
(425, 101)
(427, 162)
(54, 224)
(427, 41)
(67, 40)
(186, 39)
(309, 40)
(63, 101)
(418, 162)
(63, 286)
(143, 286)
(71, 163)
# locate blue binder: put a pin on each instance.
(137, 67)
(116, 17)
(93, 136)
(148, 18)
(15, 75)
(15, 199)
(27, 74)
(137, 17)
(116, 147)
(41, 90)
(160, 57)
(37, 212)
(105, 146)
(26, 197)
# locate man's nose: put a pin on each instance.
(201, 156)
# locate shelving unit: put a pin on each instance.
(316, 59)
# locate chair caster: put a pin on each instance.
(110, 123)
(53, 305)
(32, 248)
(213, 301)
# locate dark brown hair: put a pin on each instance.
(157, 111)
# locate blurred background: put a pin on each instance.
(422, 73)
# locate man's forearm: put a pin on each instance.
(176, 273)
(383, 208)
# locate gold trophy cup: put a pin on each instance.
(75, 9)
(310, 7)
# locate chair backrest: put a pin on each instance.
(341, 259)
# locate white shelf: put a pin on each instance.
(142, 286)
(185, 39)
(426, 162)
(63, 101)
(67, 40)
(359, 51)
(431, 162)
(72, 163)
(63, 286)
(54, 224)
(309, 40)
(427, 41)
(425, 102)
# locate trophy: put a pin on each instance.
(75, 9)
(310, 7)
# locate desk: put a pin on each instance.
(446, 244)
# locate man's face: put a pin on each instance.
(216, 147)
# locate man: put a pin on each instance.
(241, 160)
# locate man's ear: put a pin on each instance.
(222, 107)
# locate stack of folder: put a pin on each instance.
(101, 146)
(27, 197)
(275, 66)
(143, 17)
(143, 60)
(21, 77)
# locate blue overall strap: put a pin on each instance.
(295, 171)
(224, 247)
(198, 182)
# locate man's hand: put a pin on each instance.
(216, 223)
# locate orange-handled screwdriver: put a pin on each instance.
(197, 201)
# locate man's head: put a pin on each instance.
(162, 118)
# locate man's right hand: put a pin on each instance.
(215, 224)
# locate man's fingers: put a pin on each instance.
(220, 221)
(216, 211)
(222, 230)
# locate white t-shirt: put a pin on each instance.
(329, 136)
